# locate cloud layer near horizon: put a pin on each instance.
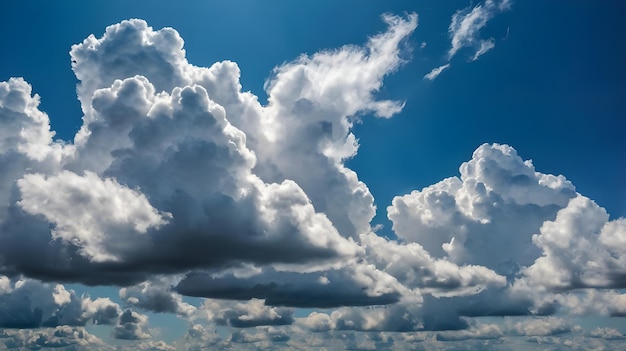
(179, 182)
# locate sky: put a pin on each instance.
(233, 175)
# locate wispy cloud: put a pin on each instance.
(436, 72)
(466, 25)
(464, 31)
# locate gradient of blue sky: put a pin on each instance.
(553, 87)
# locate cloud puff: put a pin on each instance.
(466, 25)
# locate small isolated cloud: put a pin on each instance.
(466, 24)
(436, 72)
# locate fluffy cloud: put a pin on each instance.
(244, 315)
(581, 249)
(27, 303)
(175, 168)
(131, 326)
(62, 337)
(156, 296)
(498, 202)
(180, 183)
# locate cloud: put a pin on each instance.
(416, 269)
(131, 326)
(464, 31)
(175, 168)
(466, 24)
(480, 332)
(499, 201)
(248, 314)
(352, 285)
(27, 303)
(178, 183)
(581, 249)
(607, 334)
(543, 327)
(156, 296)
(62, 337)
(436, 72)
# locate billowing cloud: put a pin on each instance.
(26, 303)
(156, 296)
(581, 249)
(183, 170)
(131, 326)
(499, 201)
(252, 313)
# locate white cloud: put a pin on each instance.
(436, 72)
(465, 27)
(178, 178)
(498, 202)
(186, 171)
(122, 213)
(247, 314)
(581, 248)
(542, 327)
(64, 337)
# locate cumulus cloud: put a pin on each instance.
(183, 169)
(252, 313)
(61, 337)
(179, 183)
(581, 249)
(27, 303)
(156, 296)
(131, 326)
(499, 201)
(543, 327)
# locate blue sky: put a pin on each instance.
(366, 185)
